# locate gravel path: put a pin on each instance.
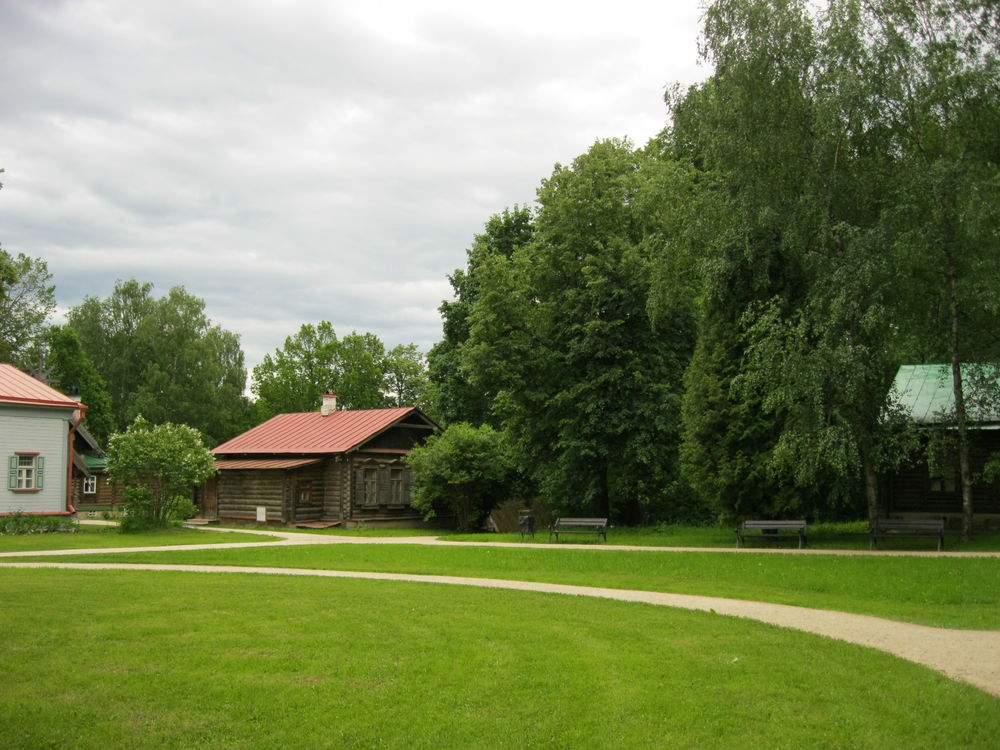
(971, 656)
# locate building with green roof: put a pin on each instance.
(925, 394)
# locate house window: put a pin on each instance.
(25, 472)
(305, 489)
(396, 486)
(89, 485)
(370, 479)
(945, 481)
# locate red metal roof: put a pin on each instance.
(312, 433)
(264, 463)
(18, 388)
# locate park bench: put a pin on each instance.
(882, 528)
(597, 526)
(771, 531)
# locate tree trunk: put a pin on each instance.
(961, 420)
(871, 489)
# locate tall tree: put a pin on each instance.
(849, 165)
(356, 367)
(587, 384)
(164, 359)
(67, 368)
(456, 398)
(407, 383)
(296, 376)
(109, 331)
(936, 68)
(27, 298)
(195, 374)
(747, 130)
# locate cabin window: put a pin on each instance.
(370, 479)
(305, 489)
(89, 485)
(944, 481)
(396, 486)
(25, 472)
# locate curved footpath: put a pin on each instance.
(971, 656)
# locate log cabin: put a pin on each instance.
(925, 395)
(319, 468)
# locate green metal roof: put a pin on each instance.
(95, 462)
(926, 395)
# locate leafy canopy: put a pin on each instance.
(158, 465)
(464, 471)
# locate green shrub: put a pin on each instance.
(158, 465)
(19, 523)
(465, 471)
(139, 514)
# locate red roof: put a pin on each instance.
(18, 388)
(312, 433)
(264, 463)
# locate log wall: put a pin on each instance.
(242, 491)
(307, 488)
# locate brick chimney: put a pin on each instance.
(329, 404)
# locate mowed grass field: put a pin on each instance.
(138, 659)
(962, 592)
(115, 659)
(105, 537)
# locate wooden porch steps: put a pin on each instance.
(201, 522)
(317, 524)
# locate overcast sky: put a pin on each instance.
(302, 160)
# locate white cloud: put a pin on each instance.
(291, 162)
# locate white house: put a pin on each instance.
(37, 426)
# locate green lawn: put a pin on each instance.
(100, 537)
(947, 592)
(847, 536)
(115, 659)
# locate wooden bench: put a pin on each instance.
(882, 528)
(597, 526)
(771, 531)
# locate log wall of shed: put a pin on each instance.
(242, 491)
(336, 489)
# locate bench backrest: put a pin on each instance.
(581, 522)
(909, 524)
(774, 524)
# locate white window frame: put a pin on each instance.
(25, 472)
(90, 485)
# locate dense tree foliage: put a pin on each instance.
(465, 471)
(587, 384)
(356, 367)
(158, 465)
(832, 148)
(67, 368)
(406, 379)
(27, 298)
(939, 98)
(162, 358)
(456, 398)
(822, 209)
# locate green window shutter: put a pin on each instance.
(12, 473)
(359, 487)
(383, 486)
(407, 484)
(39, 472)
